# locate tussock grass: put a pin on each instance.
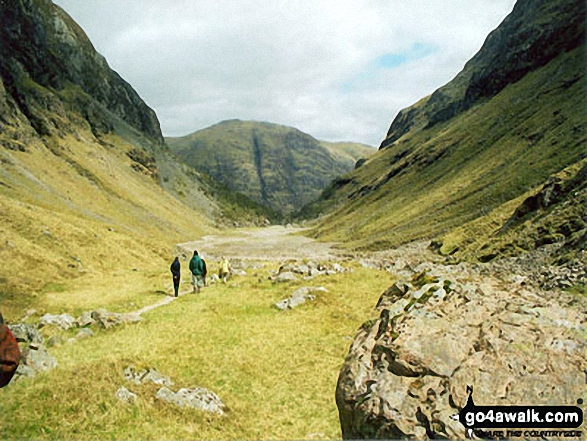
(276, 371)
(433, 181)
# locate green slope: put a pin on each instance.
(277, 166)
(434, 175)
(87, 187)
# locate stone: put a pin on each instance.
(299, 296)
(197, 398)
(84, 333)
(285, 277)
(126, 396)
(146, 375)
(35, 359)
(109, 319)
(64, 321)
(338, 268)
(85, 319)
(26, 333)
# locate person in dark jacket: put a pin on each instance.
(197, 269)
(176, 272)
(9, 354)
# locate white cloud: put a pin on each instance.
(308, 64)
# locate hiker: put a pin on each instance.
(204, 271)
(224, 270)
(197, 269)
(176, 272)
(9, 354)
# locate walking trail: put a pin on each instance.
(272, 243)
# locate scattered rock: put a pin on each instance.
(24, 333)
(299, 296)
(109, 319)
(64, 321)
(285, 277)
(126, 396)
(146, 375)
(85, 319)
(35, 359)
(198, 398)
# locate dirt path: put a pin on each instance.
(271, 243)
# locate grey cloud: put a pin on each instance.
(199, 62)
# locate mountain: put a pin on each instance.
(277, 166)
(456, 165)
(87, 184)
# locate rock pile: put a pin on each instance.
(196, 398)
(407, 371)
(35, 356)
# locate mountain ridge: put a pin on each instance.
(431, 179)
(261, 159)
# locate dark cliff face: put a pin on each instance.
(536, 32)
(49, 69)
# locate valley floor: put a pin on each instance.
(276, 371)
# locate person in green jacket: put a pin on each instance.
(197, 269)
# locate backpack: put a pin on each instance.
(204, 270)
(9, 355)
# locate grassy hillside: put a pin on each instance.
(76, 208)
(274, 370)
(433, 180)
(350, 152)
(276, 166)
(83, 163)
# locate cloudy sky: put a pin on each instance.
(339, 70)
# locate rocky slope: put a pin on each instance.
(457, 164)
(442, 328)
(86, 182)
(535, 33)
(277, 166)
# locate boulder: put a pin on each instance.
(35, 359)
(64, 321)
(407, 371)
(197, 398)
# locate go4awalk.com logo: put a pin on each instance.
(539, 422)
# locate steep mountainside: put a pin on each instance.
(83, 163)
(457, 164)
(277, 166)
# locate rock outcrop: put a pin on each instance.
(49, 69)
(407, 371)
(518, 46)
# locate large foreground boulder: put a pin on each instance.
(407, 371)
